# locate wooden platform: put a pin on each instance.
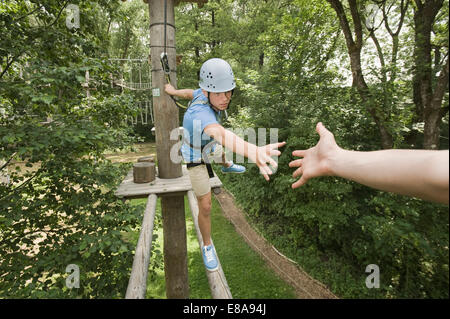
(130, 190)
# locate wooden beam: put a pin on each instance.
(217, 281)
(130, 190)
(175, 247)
(137, 285)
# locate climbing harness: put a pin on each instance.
(205, 160)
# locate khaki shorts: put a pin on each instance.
(199, 174)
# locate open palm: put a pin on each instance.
(315, 160)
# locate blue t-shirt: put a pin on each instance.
(198, 115)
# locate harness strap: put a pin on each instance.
(208, 165)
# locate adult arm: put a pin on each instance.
(418, 173)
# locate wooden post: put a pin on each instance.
(144, 172)
(165, 111)
(166, 120)
(137, 285)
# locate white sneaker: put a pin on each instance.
(209, 257)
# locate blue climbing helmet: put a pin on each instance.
(217, 76)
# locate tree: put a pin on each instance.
(59, 207)
(428, 87)
(354, 40)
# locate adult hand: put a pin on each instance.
(316, 160)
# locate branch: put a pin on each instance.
(337, 6)
(402, 16)
(59, 14)
(8, 65)
(20, 186)
(380, 54)
(441, 86)
(357, 22)
(30, 13)
(7, 162)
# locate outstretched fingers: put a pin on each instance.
(265, 171)
(299, 153)
(297, 172)
(302, 181)
(296, 163)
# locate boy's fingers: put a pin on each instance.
(276, 145)
(274, 153)
(264, 173)
(273, 162)
(265, 170)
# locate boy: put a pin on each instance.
(202, 132)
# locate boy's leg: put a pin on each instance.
(224, 162)
(202, 189)
(204, 217)
(227, 166)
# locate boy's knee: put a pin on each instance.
(206, 209)
(205, 206)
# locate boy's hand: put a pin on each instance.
(169, 89)
(263, 156)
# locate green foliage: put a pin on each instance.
(59, 207)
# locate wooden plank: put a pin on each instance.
(128, 189)
(216, 279)
(137, 285)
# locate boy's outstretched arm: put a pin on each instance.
(187, 94)
(419, 173)
(261, 156)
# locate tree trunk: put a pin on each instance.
(428, 101)
(434, 113)
(354, 49)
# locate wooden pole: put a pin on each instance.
(137, 285)
(166, 120)
(165, 111)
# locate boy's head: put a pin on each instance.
(217, 82)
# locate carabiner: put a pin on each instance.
(165, 63)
